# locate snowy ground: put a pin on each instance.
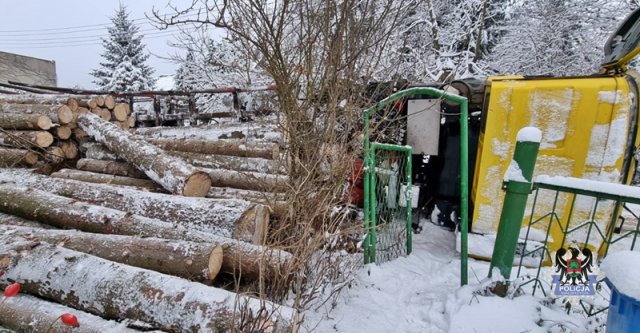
(421, 293)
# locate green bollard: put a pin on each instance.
(515, 201)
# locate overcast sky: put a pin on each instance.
(69, 31)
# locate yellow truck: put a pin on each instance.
(589, 130)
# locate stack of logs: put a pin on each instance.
(151, 236)
(37, 129)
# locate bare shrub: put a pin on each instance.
(321, 54)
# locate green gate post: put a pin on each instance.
(515, 201)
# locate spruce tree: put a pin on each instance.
(123, 67)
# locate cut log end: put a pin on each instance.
(45, 139)
(197, 185)
(62, 133)
(109, 102)
(30, 158)
(65, 115)
(120, 112)
(44, 123)
(70, 149)
(215, 262)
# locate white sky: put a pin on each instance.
(68, 32)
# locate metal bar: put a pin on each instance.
(368, 170)
(373, 237)
(408, 196)
(612, 227)
(515, 202)
(526, 237)
(593, 218)
(589, 193)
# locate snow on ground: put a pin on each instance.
(422, 293)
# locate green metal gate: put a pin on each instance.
(388, 205)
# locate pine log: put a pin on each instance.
(231, 162)
(105, 114)
(25, 313)
(73, 104)
(190, 260)
(253, 196)
(131, 121)
(79, 133)
(97, 151)
(55, 155)
(63, 132)
(69, 148)
(239, 257)
(110, 167)
(117, 291)
(16, 121)
(219, 147)
(253, 181)
(24, 139)
(11, 220)
(12, 157)
(221, 217)
(120, 112)
(173, 174)
(59, 114)
(99, 101)
(109, 102)
(100, 178)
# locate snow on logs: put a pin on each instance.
(25, 313)
(190, 260)
(239, 257)
(220, 147)
(172, 173)
(25, 120)
(117, 291)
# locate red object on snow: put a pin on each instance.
(12, 290)
(356, 184)
(69, 320)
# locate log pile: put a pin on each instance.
(128, 235)
(46, 127)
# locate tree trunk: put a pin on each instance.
(61, 212)
(69, 148)
(17, 121)
(100, 178)
(219, 147)
(221, 217)
(63, 132)
(110, 167)
(11, 157)
(231, 162)
(248, 180)
(25, 139)
(173, 174)
(97, 151)
(190, 260)
(25, 313)
(59, 114)
(117, 291)
(120, 112)
(109, 102)
(11, 220)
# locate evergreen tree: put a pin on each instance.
(123, 67)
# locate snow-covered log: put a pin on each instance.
(100, 178)
(190, 260)
(7, 219)
(68, 213)
(220, 147)
(110, 167)
(250, 164)
(248, 180)
(17, 121)
(229, 218)
(59, 114)
(11, 157)
(42, 139)
(172, 173)
(97, 151)
(117, 291)
(63, 132)
(25, 313)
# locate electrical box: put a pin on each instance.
(423, 125)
